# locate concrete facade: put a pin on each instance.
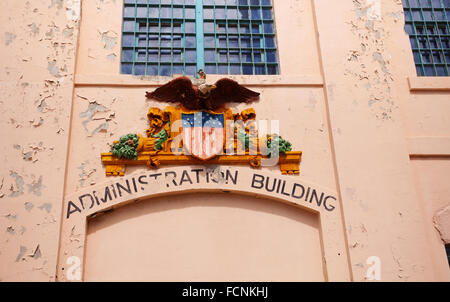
(373, 134)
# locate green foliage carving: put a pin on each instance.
(161, 138)
(244, 138)
(126, 147)
(284, 145)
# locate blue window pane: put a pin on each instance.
(177, 12)
(153, 56)
(208, 13)
(231, 2)
(153, 12)
(139, 69)
(256, 42)
(178, 69)
(272, 69)
(128, 25)
(254, 2)
(141, 12)
(271, 56)
(256, 13)
(141, 56)
(176, 41)
(191, 70)
(190, 27)
(245, 42)
(128, 40)
(441, 71)
(243, 14)
(166, 41)
(270, 42)
(210, 56)
(223, 57)
(247, 69)
(232, 28)
(429, 71)
(190, 41)
(127, 68)
(220, 13)
(267, 14)
(165, 12)
(235, 69)
(233, 42)
(243, 2)
(166, 56)
(223, 69)
(191, 56)
(268, 28)
(266, 2)
(127, 55)
(244, 28)
(209, 42)
(260, 69)
(166, 28)
(257, 56)
(232, 13)
(210, 69)
(190, 13)
(177, 58)
(220, 2)
(129, 12)
(247, 56)
(234, 57)
(153, 27)
(222, 41)
(165, 70)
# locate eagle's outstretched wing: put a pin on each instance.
(228, 91)
(179, 90)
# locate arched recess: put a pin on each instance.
(89, 202)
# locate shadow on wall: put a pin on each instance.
(204, 237)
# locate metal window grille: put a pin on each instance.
(428, 24)
(166, 37)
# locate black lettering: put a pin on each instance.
(267, 184)
(96, 198)
(185, 177)
(114, 191)
(86, 195)
(314, 196)
(69, 211)
(134, 184)
(282, 189)
(141, 181)
(329, 208)
(307, 194)
(229, 176)
(126, 189)
(107, 195)
(155, 175)
(173, 178)
(278, 187)
(197, 173)
(260, 181)
(293, 191)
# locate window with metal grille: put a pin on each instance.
(166, 37)
(428, 26)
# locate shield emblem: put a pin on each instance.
(203, 134)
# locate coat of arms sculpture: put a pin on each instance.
(200, 130)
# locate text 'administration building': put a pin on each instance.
(358, 90)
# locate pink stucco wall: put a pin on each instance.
(347, 96)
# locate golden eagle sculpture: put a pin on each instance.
(203, 97)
